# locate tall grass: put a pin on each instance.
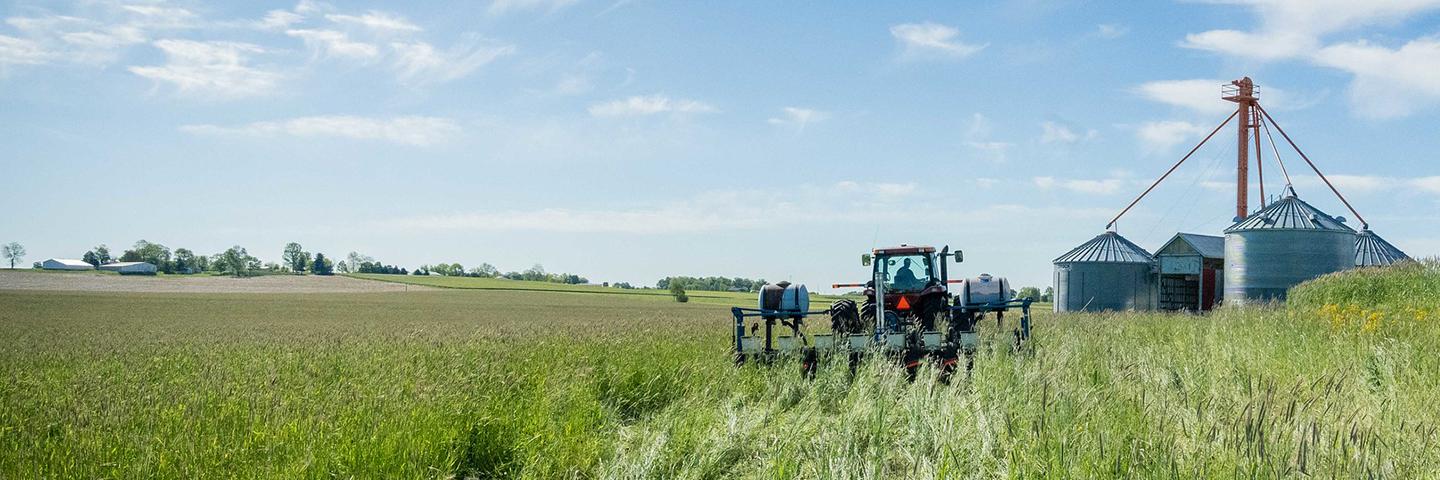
(546, 385)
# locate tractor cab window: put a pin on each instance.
(906, 272)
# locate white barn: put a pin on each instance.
(130, 268)
(66, 264)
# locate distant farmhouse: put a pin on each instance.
(66, 264)
(130, 268)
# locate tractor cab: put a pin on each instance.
(906, 269)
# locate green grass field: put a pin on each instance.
(534, 384)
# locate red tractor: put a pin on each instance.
(909, 314)
(915, 289)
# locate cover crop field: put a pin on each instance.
(500, 383)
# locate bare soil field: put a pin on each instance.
(105, 282)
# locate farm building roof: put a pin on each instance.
(1371, 250)
(1290, 213)
(1208, 246)
(1108, 247)
(70, 262)
(123, 264)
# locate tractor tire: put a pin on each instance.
(867, 312)
(844, 317)
(931, 312)
(809, 364)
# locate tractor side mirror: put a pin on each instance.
(959, 256)
(865, 259)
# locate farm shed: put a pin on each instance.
(1373, 251)
(66, 264)
(1191, 272)
(1108, 272)
(1280, 246)
(130, 268)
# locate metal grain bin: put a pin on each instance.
(1106, 273)
(1373, 251)
(1280, 246)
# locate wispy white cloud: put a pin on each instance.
(161, 17)
(1429, 184)
(1202, 95)
(406, 130)
(1291, 28)
(1097, 187)
(1164, 134)
(217, 69)
(20, 51)
(279, 20)
(978, 137)
(377, 21)
(332, 43)
(932, 39)
(843, 203)
(798, 117)
(1111, 30)
(421, 62)
(1388, 82)
(505, 6)
(1198, 94)
(649, 105)
(1053, 132)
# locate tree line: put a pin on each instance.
(718, 284)
(535, 273)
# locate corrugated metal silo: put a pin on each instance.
(1280, 246)
(1106, 273)
(1373, 251)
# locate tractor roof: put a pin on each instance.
(905, 249)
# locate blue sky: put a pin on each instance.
(630, 140)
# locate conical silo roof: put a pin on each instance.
(1108, 247)
(1290, 213)
(1371, 250)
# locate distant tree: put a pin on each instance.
(322, 265)
(271, 266)
(91, 259)
(185, 261)
(377, 267)
(202, 263)
(485, 270)
(535, 273)
(102, 253)
(295, 257)
(719, 284)
(15, 252)
(678, 291)
(1029, 292)
(421, 271)
(235, 261)
(35, 265)
(1049, 295)
(342, 267)
(152, 253)
(356, 259)
(624, 285)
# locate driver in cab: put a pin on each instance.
(905, 278)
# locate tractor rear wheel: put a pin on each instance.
(931, 312)
(844, 317)
(867, 312)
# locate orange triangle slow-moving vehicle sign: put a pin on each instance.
(903, 305)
